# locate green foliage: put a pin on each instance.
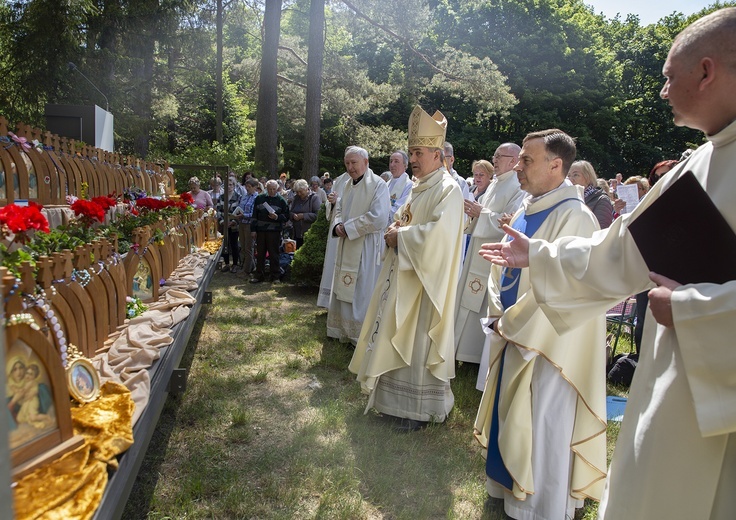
(496, 68)
(13, 259)
(306, 268)
(62, 237)
(37, 40)
(134, 307)
(207, 154)
(473, 80)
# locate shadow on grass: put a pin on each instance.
(272, 426)
(430, 473)
(143, 489)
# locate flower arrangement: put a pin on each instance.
(151, 204)
(133, 193)
(18, 225)
(105, 202)
(134, 306)
(19, 220)
(88, 212)
(143, 211)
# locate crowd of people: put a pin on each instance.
(514, 271)
(257, 226)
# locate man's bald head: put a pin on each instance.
(713, 35)
(700, 73)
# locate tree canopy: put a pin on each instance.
(496, 68)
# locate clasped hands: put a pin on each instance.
(340, 230)
(391, 235)
(515, 253)
(472, 208)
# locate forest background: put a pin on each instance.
(286, 85)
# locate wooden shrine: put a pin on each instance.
(79, 297)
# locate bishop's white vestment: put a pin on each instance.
(404, 358)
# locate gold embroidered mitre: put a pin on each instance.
(425, 130)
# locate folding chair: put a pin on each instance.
(620, 316)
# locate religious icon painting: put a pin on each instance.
(28, 396)
(11, 180)
(36, 398)
(82, 380)
(32, 176)
(143, 281)
(169, 181)
(211, 228)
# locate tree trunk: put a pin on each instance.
(314, 88)
(218, 76)
(266, 157)
(142, 103)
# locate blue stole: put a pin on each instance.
(527, 224)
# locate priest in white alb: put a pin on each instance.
(328, 266)
(542, 416)
(361, 216)
(503, 196)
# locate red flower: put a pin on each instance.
(20, 219)
(36, 219)
(187, 197)
(89, 210)
(105, 202)
(150, 204)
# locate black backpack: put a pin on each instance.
(621, 369)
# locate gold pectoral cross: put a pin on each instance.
(406, 215)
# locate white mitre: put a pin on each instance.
(425, 130)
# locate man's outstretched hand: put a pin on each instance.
(514, 253)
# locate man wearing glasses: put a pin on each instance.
(503, 197)
(506, 156)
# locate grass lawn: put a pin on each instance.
(271, 426)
